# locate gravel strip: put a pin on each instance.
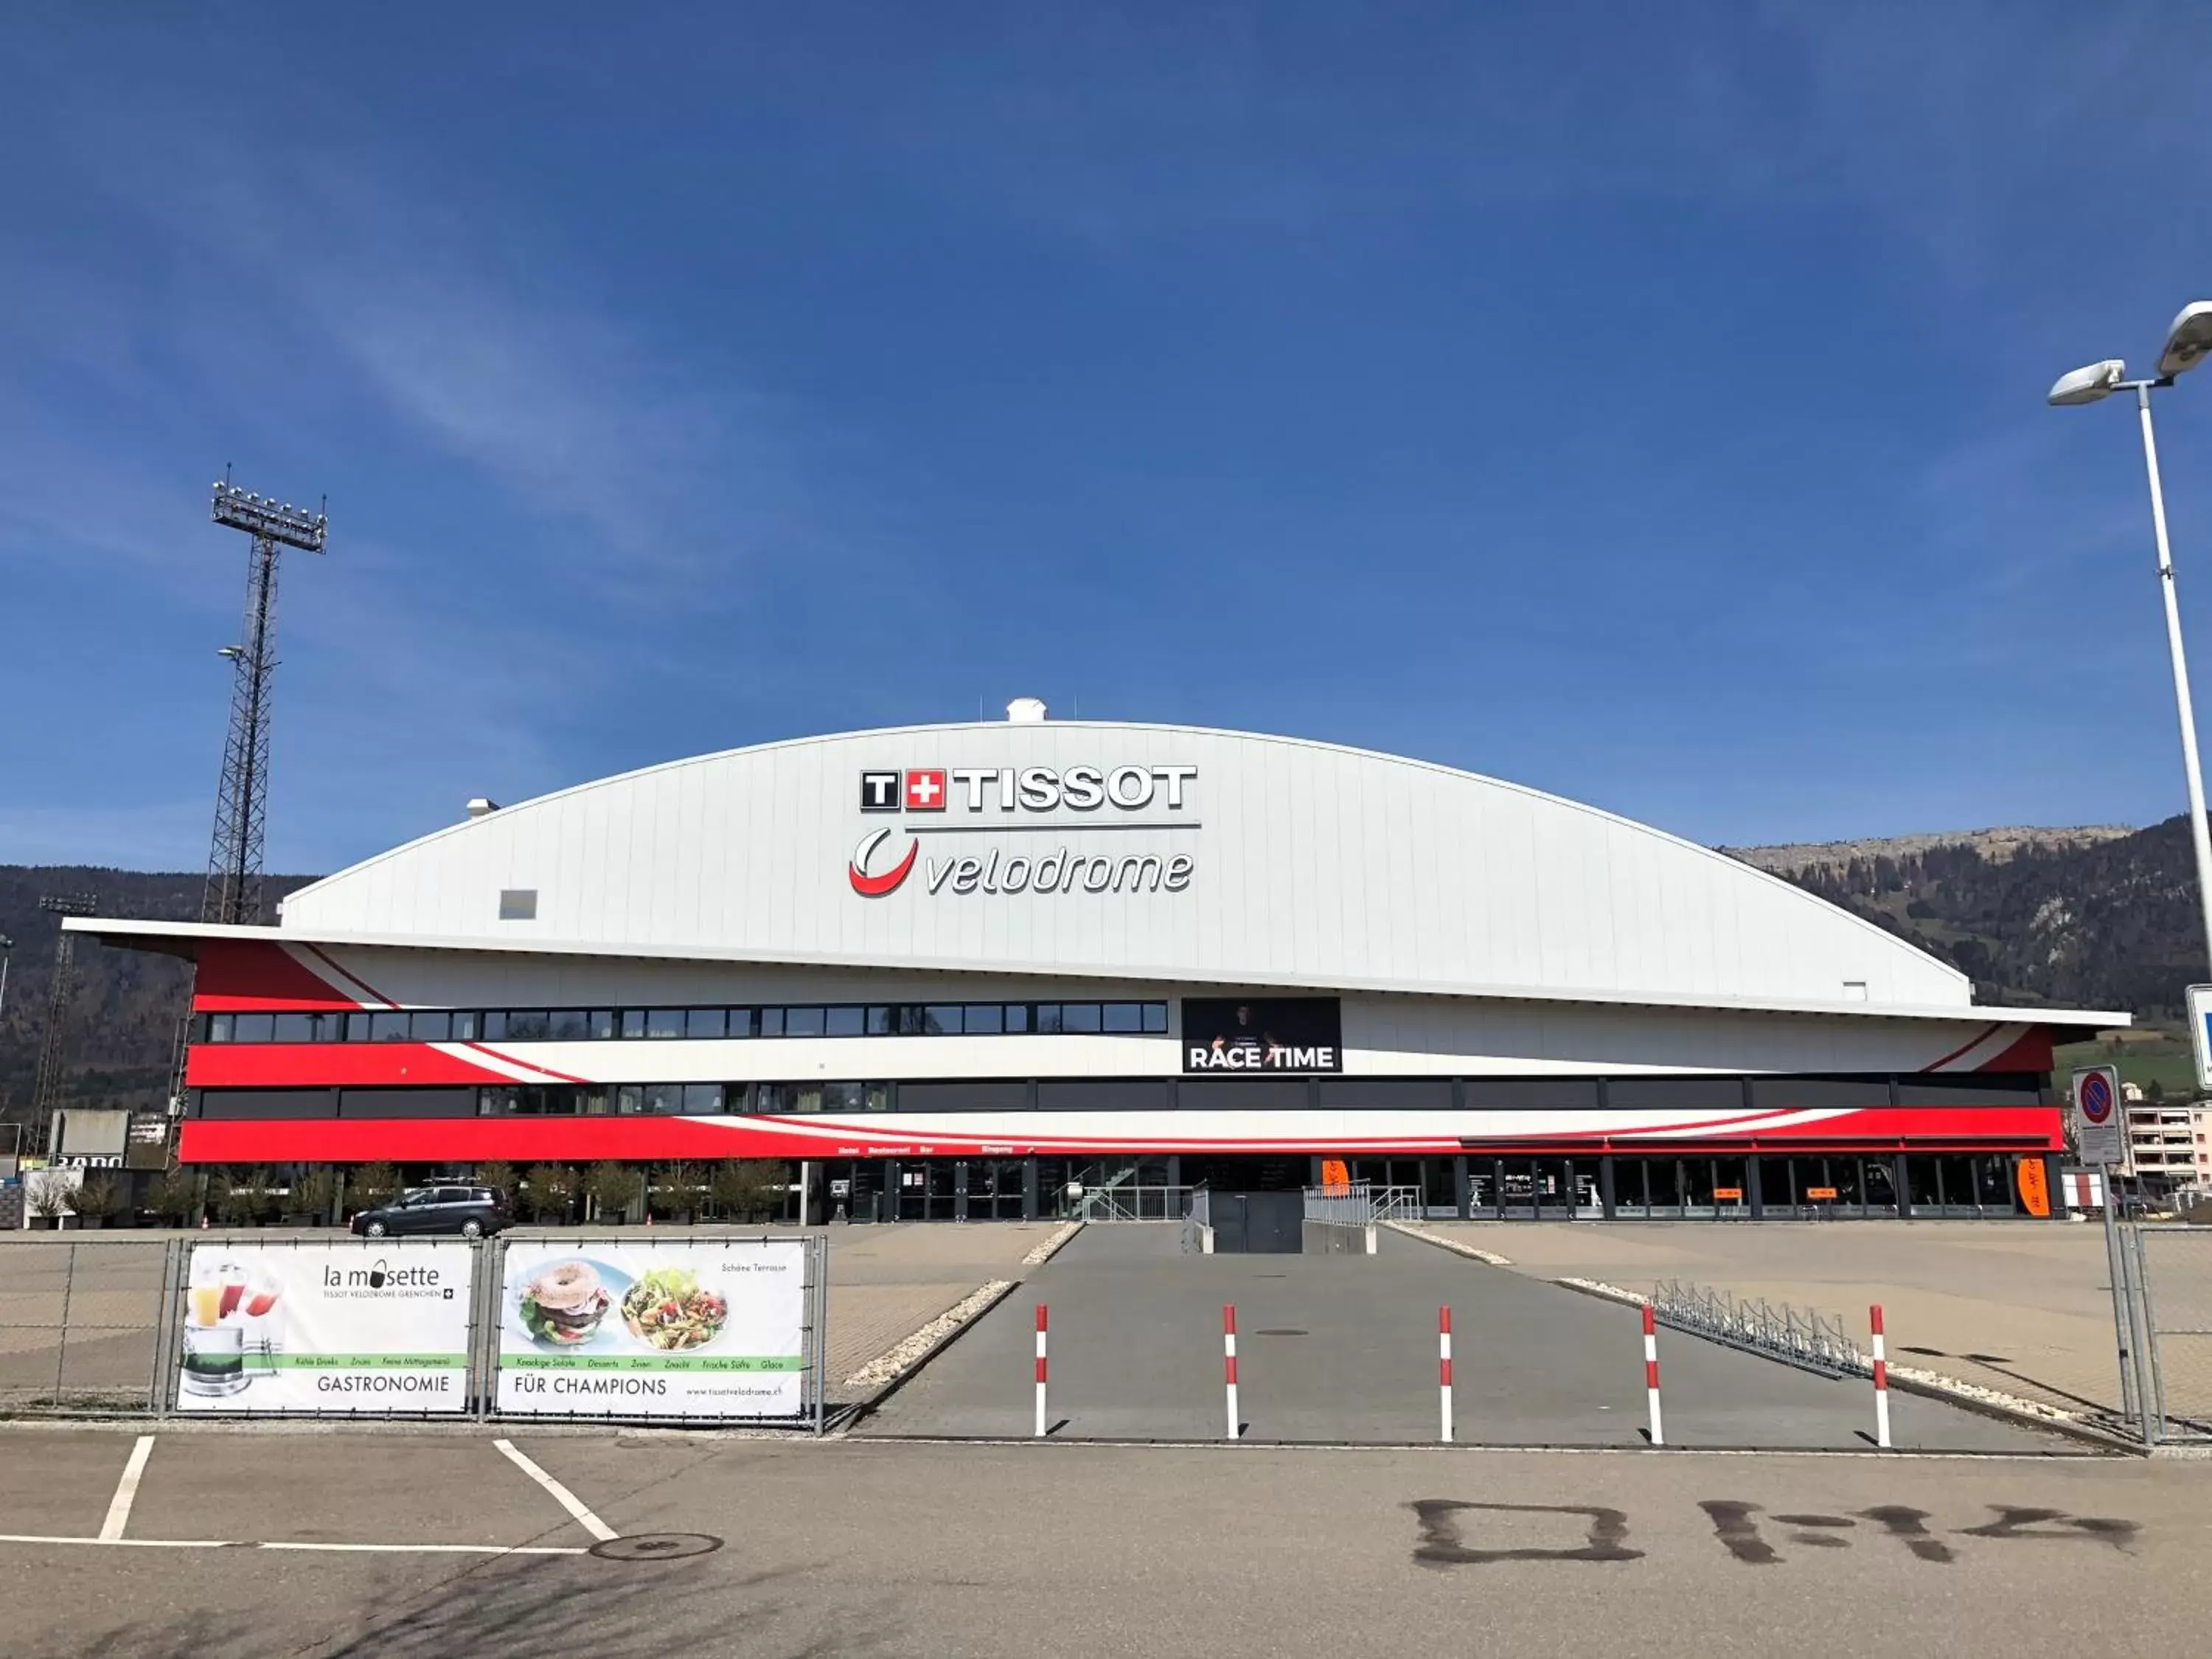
(1039, 1257)
(887, 1367)
(1451, 1244)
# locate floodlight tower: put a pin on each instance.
(233, 878)
(46, 1082)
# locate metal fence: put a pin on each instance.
(1796, 1336)
(1359, 1204)
(1198, 1224)
(2162, 1278)
(93, 1327)
(1133, 1204)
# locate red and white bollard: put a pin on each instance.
(1228, 1361)
(1040, 1372)
(1880, 1384)
(1651, 1372)
(1443, 1370)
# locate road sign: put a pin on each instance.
(2100, 1123)
(2200, 1032)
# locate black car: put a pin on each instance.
(472, 1212)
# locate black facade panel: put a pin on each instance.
(1409, 1094)
(1676, 1094)
(1777, 1093)
(986, 1096)
(1534, 1094)
(407, 1103)
(1242, 1094)
(237, 1103)
(1973, 1089)
(1141, 1094)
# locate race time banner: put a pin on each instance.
(684, 1328)
(330, 1328)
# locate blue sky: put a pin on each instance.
(1643, 403)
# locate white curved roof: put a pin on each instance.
(1309, 864)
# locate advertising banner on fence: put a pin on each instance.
(334, 1329)
(689, 1328)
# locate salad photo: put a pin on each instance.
(667, 1309)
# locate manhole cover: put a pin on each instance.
(657, 1547)
(1286, 1331)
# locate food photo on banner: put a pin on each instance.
(705, 1327)
(332, 1328)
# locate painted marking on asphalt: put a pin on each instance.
(126, 1491)
(341, 1549)
(567, 1500)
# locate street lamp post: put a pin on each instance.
(6, 950)
(2187, 343)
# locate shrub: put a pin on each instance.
(47, 1195)
(372, 1184)
(499, 1176)
(239, 1199)
(677, 1189)
(746, 1190)
(172, 1195)
(99, 1197)
(547, 1190)
(312, 1193)
(613, 1186)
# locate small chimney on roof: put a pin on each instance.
(1025, 711)
(483, 807)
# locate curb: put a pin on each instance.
(1488, 1258)
(1929, 1385)
(955, 1320)
(1045, 1252)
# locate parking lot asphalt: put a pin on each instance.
(1343, 1348)
(862, 1548)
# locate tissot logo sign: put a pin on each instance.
(1025, 800)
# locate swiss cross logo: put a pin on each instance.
(925, 790)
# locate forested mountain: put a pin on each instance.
(2094, 918)
(2085, 918)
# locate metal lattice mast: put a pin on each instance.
(47, 1084)
(234, 878)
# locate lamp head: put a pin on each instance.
(2088, 384)
(2188, 341)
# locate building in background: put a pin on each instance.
(968, 971)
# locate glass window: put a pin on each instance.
(494, 1025)
(528, 1026)
(295, 1028)
(706, 1022)
(357, 1028)
(628, 1098)
(802, 1021)
(595, 1100)
(1124, 1017)
(633, 1022)
(492, 1102)
(603, 1024)
(843, 1097)
(664, 1099)
(568, 1025)
(913, 1019)
(741, 1022)
(941, 1019)
(1018, 1017)
(877, 1098)
(466, 1024)
(1155, 1018)
(388, 1027)
(430, 1025)
(883, 1021)
(665, 1022)
(701, 1099)
(1079, 1016)
(1049, 1017)
(218, 1028)
(844, 1021)
(984, 1019)
(252, 1028)
(771, 1022)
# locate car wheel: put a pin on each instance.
(374, 1230)
(472, 1229)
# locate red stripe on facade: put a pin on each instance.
(2030, 1053)
(347, 975)
(1938, 1065)
(350, 1140)
(329, 1065)
(246, 975)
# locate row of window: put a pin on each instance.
(615, 1025)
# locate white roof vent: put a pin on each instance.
(1025, 711)
(482, 807)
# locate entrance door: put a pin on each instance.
(994, 1189)
(1258, 1224)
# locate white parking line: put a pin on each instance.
(567, 1500)
(127, 1490)
(245, 1544)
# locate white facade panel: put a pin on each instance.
(1311, 864)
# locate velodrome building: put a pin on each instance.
(955, 972)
